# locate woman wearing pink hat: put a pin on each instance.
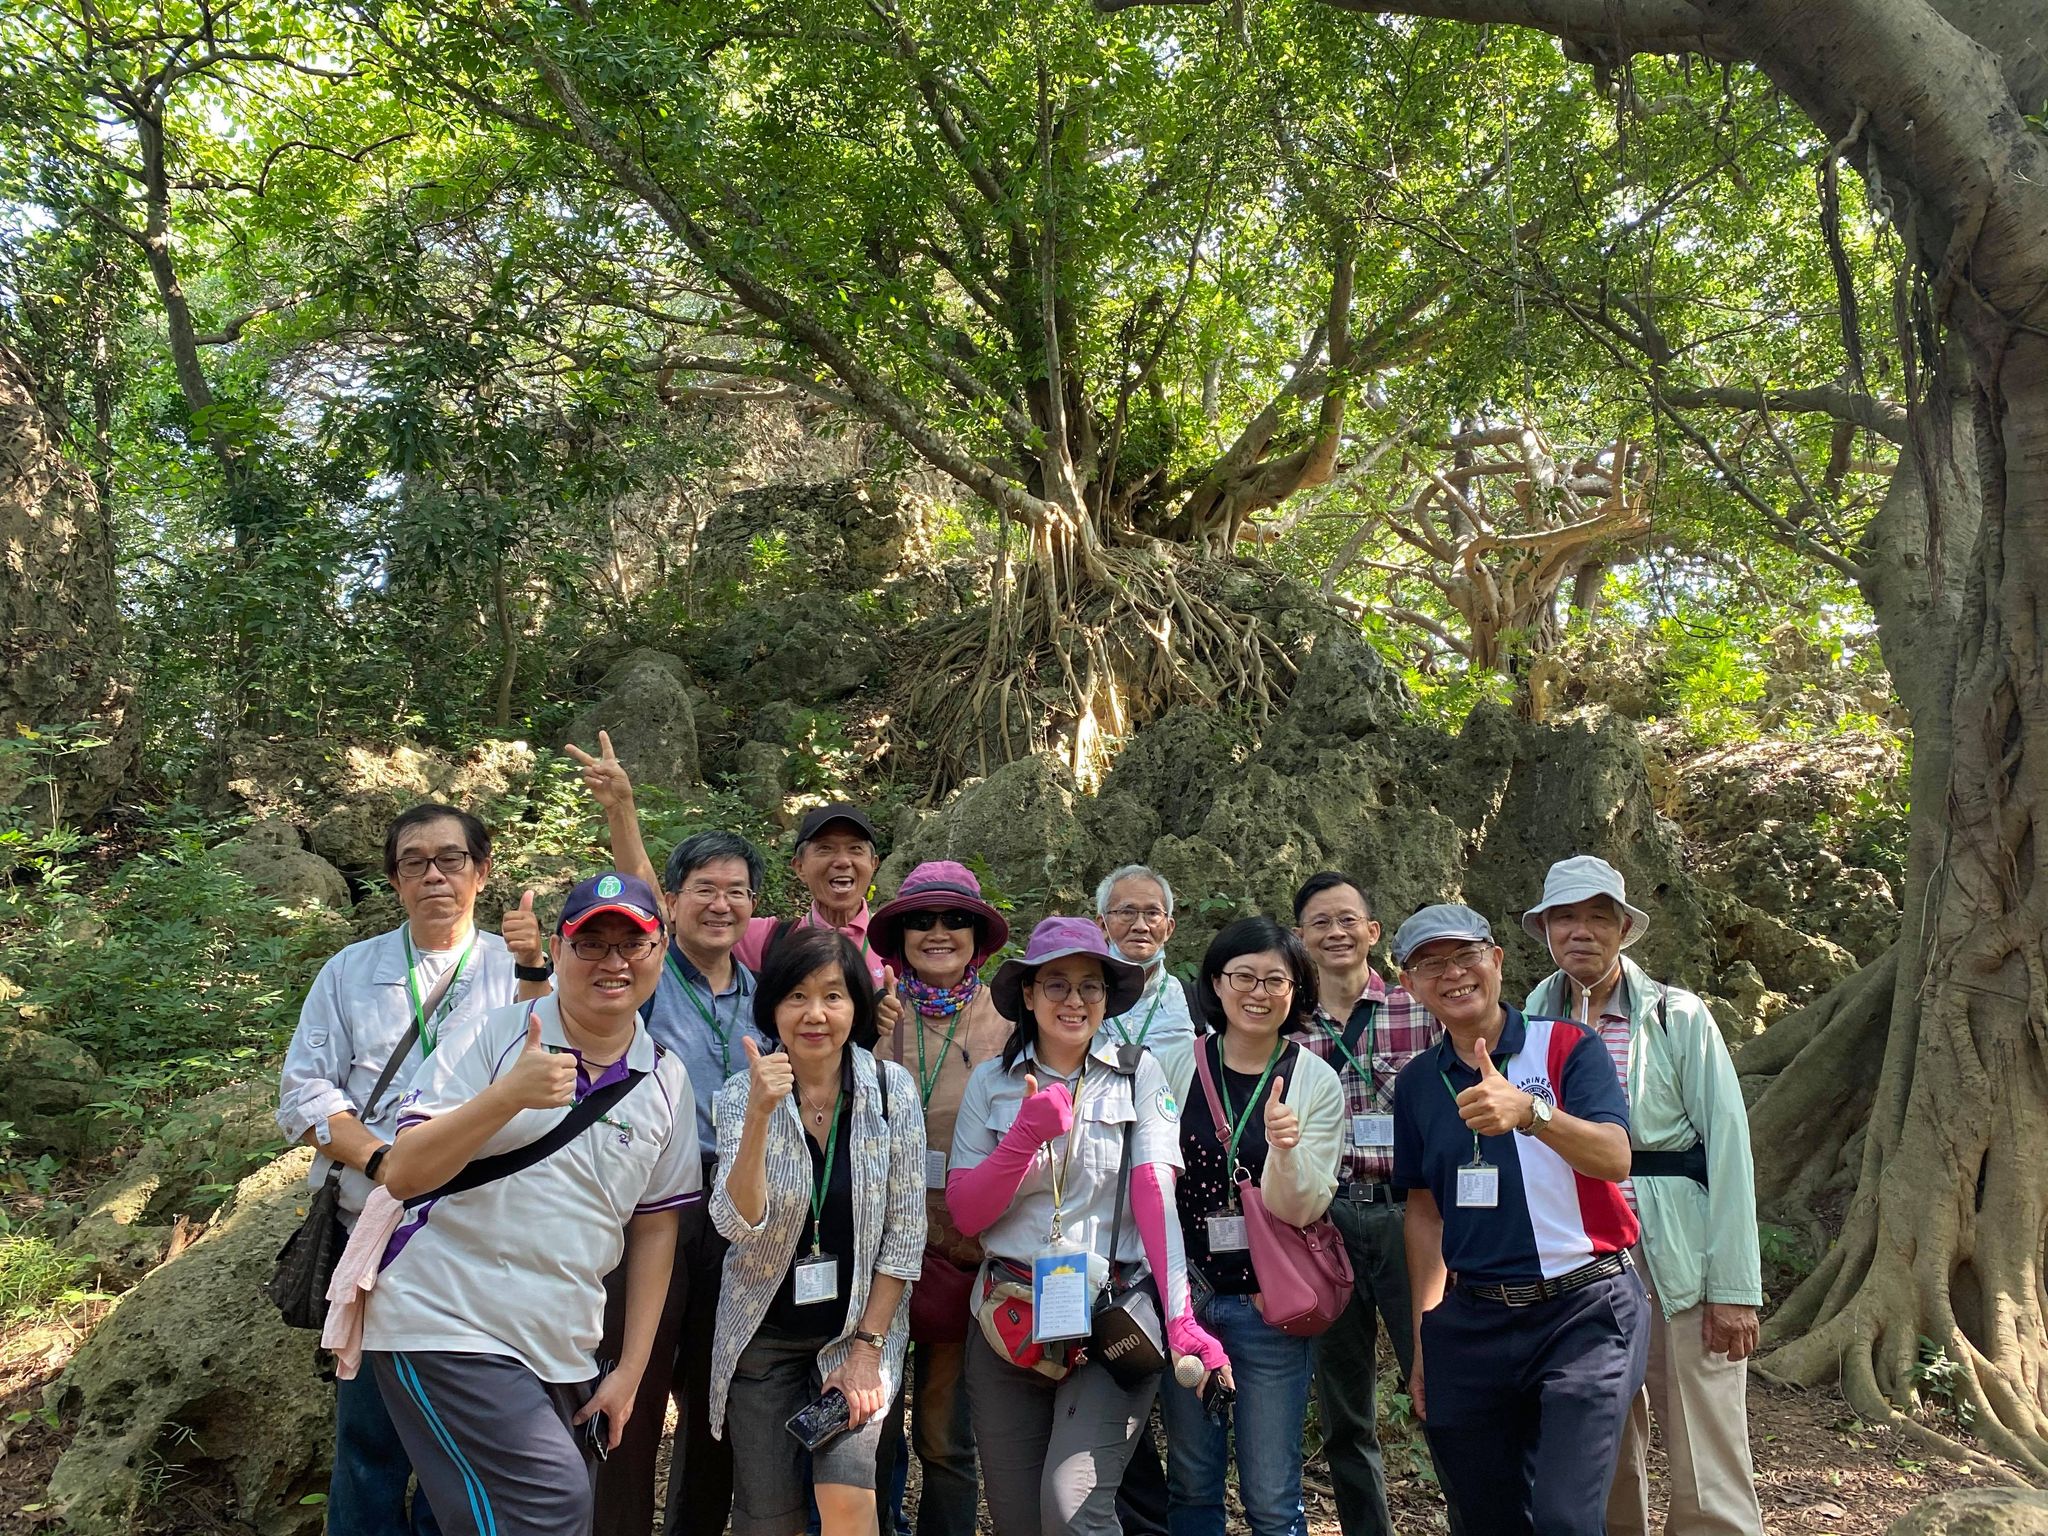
(937, 934)
(1063, 1164)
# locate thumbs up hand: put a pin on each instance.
(770, 1078)
(521, 931)
(1283, 1125)
(888, 1004)
(1047, 1114)
(540, 1078)
(1493, 1106)
(603, 775)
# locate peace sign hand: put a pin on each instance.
(1283, 1125)
(603, 776)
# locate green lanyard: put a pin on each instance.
(1452, 1089)
(1144, 1029)
(825, 1178)
(926, 1083)
(708, 1014)
(1239, 1121)
(412, 990)
(1372, 1041)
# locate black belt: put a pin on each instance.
(1549, 1290)
(1371, 1192)
(1689, 1164)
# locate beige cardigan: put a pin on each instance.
(1297, 1185)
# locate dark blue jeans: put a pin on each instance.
(366, 1493)
(1271, 1369)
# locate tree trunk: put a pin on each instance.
(508, 645)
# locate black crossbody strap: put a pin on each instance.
(1127, 1064)
(406, 1043)
(488, 1170)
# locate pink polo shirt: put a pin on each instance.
(761, 929)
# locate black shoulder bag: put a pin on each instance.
(1126, 1335)
(298, 1281)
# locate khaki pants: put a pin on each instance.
(1701, 1404)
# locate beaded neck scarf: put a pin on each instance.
(940, 1002)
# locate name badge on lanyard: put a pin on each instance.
(934, 1169)
(1227, 1234)
(1478, 1187)
(1372, 1130)
(1059, 1295)
(817, 1279)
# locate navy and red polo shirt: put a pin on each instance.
(1551, 1219)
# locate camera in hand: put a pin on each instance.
(824, 1421)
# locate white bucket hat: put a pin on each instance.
(1576, 879)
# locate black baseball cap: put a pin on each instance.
(818, 820)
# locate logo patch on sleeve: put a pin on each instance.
(1169, 1106)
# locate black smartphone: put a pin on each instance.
(1217, 1398)
(824, 1421)
(596, 1428)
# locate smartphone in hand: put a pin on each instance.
(824, 1421)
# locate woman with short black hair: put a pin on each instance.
(1275, 1117)
(820, 1189)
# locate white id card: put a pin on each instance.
(1227, 1235)
(1059, 1297)
(1372, 1130)
(934, 1169)
(817, 1279)
(1478, 1187)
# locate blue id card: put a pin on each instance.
(1059, 1297)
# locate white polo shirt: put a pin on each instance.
(517, 1266)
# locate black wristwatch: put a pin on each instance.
(541, 972)
(370, 1166)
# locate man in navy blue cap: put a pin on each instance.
(1511, 1137)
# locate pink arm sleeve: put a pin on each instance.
(978, 1196)
(1159, 1228)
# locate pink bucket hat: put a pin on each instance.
(938, 885)
(1053, 939)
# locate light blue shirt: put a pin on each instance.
(351, 1022)
(1159, 1018)
(703, 1031)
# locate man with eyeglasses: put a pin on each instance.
(376, 1012)
(1694, 1190)
(1511, 1139)
(702, 1010)
(1134, 906)
(1367, 1031)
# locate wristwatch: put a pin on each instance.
(879, 1340)
(1539, 1115)
(539, 972)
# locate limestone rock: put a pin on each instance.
(271, 859)
(1799, 965)
(1978, 1512)
(844, 534)
(192, 1371)
(1020, 828)
(646, 711)
(206, 1142)
(808, 649)
(46, 1082)
(61, 661)
(761, 775)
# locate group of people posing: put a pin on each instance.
(812, 1177)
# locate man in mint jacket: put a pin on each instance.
(1692, 1187)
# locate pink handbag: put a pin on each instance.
(1304, 1273)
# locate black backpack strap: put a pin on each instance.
(488, 1170)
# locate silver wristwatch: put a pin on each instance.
(1540, 1113)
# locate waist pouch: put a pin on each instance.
(1689, 1164)
(1003, 1309)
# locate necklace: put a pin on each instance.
(817, 1111)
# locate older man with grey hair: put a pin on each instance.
(1134, 905)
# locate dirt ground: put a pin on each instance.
(1819, 1469)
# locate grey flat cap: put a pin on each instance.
(1445, 921)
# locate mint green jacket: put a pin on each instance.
(1681, 1090)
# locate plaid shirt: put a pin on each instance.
(1386, 1030)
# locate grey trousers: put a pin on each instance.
(1052, 1452)
(490, 1442)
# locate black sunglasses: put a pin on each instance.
(924, 922)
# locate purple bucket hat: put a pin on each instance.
(937, 885)
(1052, 939)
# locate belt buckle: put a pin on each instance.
(1369, 1195)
